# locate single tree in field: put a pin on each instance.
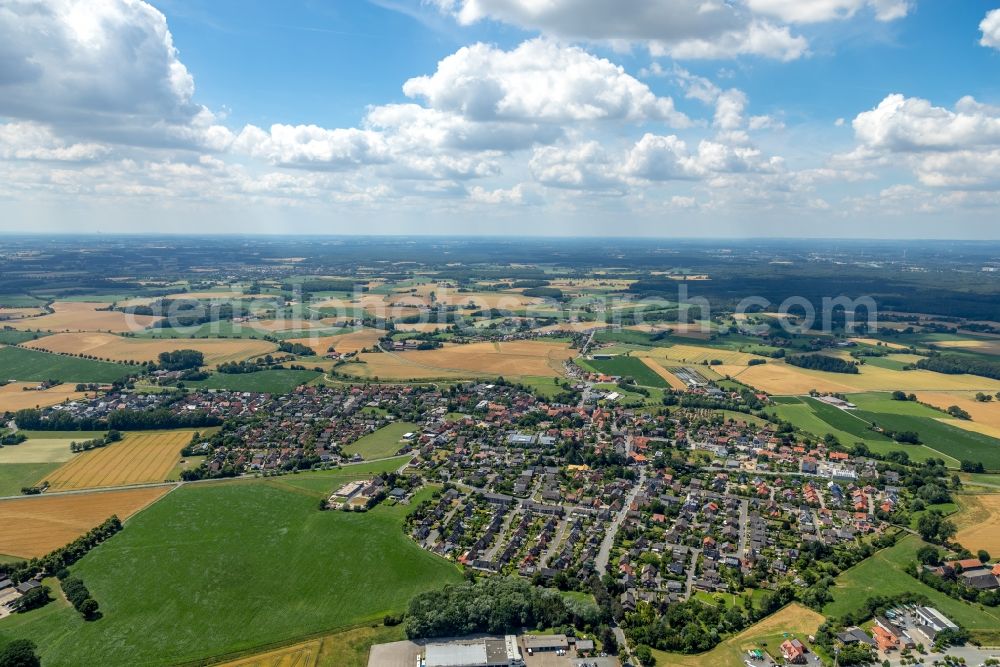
(20, 653)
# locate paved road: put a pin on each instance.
(604, 555)
(744, 532)
(689, 584)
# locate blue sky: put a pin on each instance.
(868, 118)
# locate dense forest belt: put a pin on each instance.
(889, 293)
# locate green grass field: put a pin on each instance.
(883, 574)
(213, 569)
(850, 426)
(15, 476)
(20, 301)
(382, 443)
(269, 381)
(20, 364)
(628, 367)
(945, 438)
(12, 337)
(325, 481)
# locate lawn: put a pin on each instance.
(382, 443)
(19, 364)
(883, 574)
(215, 569)
(277, 381)
(628, 367)
(15, 476)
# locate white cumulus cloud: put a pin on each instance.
(990, 27)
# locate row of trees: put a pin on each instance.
(120, 420)
(954, 364)
(822, 362)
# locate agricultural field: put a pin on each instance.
(39, 449)
(84, 316)
(352, 341)
(343, 649)
(35, 525)
(138, 458)
(16, 476)
(626, 366)
(978, 521)
(272, 381)
(940, 435)
(672, 380)
(854, 586)
(15, 337)
(23, 395)
(779, 378)
(509, 359)
(984, 414)
(117, 348)
(17, 363)
(19, 313)
(337, 570)
(382, 443)
(767, 634)
(696, 354)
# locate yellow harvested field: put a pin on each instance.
(876, 342)
(794, 619)
(342, 343)
(975, 427)
(510, 359)
(137, 459)
(73, 316)
(777, 377)
(496, 300)
(18, 313)
(982, 413)
(978, 522)
(14, 396)
(39, 450)
(305, 654)
(34, 526)
(674, 381)
(694, 354)
(117, 348)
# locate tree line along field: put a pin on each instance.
(260, 564)
(33, 526)
(136, 459)
(17, 363)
